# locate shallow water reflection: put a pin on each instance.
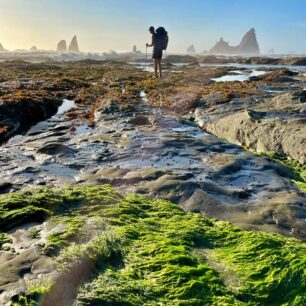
(66, 106)
(239, 76)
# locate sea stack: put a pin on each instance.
(1, 48)
(74, 47)
(247, 46)
(191, 50)
(61, 46)
(222, 47)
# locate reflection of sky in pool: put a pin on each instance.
(67, 105)
(148, 66)
(239, 76)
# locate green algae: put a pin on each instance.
(58, 240)
(297, 171)
(159, 265)
(34, 292)
(38, 204)
(150, 252)
(34, 233)
(4, 239)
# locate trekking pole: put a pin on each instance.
(146, 57)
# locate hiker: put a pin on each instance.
(159, 43)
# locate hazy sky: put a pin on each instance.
(102, 25)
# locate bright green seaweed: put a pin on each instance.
(3, 239)
(150, 252)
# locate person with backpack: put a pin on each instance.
(159, 43)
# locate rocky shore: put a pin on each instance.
(273, 123)
(259, 60)
(30, 93)
(179, 153)
(265, 113)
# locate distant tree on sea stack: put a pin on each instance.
(134, 49)
(33, 49)
(62, 46)
(74, 47)
(191, 50)
(271, 51)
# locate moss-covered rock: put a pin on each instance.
(39, 203)
(139, 251)
(3, 240)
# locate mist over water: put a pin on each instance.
(112, 25)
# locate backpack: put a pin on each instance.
(162, 37)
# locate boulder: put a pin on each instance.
(263, 134)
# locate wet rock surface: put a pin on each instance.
(16, 271)
(18, 113)
(225, 106)
(149, 151)
(29, 95)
